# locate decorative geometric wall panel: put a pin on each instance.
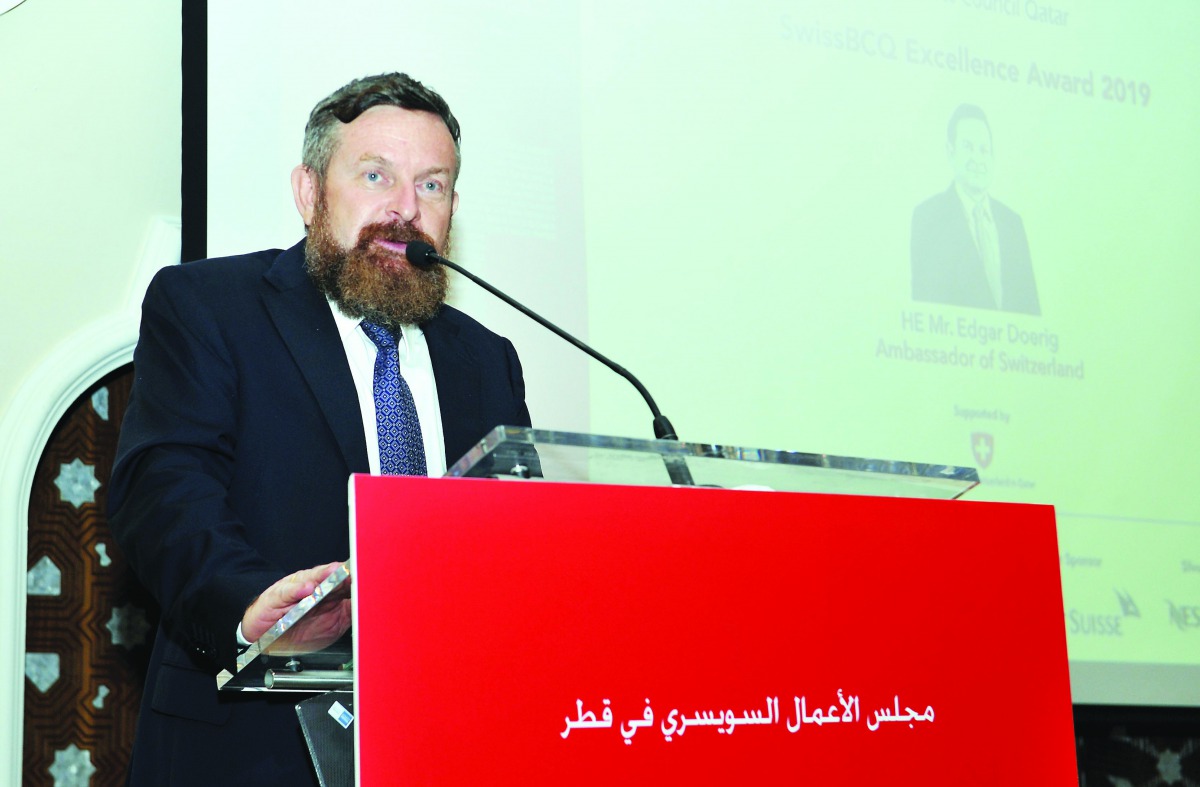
(128, 626)
(43, 579)
(1140, 755)
(97, 623)
(77, 483)
(100, 402)
(42, 670)
(72, 767)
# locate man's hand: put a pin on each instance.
(318, 629)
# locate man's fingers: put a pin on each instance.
(296, 587)
(276, 600)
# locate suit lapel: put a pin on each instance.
(458, 385)
(302, 317)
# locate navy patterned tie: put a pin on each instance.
(401, 449)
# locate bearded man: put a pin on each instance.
(257, 395)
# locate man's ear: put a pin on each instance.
(304, 191)
(454, 204)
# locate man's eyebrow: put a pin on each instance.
(373, 158)
(435, 171)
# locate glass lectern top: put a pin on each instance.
(520, 452)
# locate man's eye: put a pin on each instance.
(374, 177)
(431, 186)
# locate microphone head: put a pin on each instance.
(421, 254)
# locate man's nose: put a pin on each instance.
(403, 204)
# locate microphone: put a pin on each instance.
(423, 255)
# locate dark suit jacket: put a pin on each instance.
(231, 473)
(947, 266)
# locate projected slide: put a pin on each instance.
(950, 231)
(943, 231)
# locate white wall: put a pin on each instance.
(89, 170)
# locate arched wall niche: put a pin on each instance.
(69, 370)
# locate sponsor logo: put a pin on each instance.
(1097, 624)
(1129, 608)
(1183, 616)
(1089, 624)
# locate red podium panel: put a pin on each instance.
(519, 633)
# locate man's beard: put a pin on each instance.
(369, 282)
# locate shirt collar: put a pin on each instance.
(969, 203)
(347, 325)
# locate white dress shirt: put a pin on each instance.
(987, 241)
(417, 370)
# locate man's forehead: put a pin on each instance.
(382, 128)
(972, 127)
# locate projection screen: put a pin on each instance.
(752, 205)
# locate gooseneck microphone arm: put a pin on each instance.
(423, 256)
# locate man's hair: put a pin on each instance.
(322, 134)
(965, 112)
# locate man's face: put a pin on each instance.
(971, 156)
(391, 180)
(391, 166)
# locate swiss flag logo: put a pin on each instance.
(983, 446)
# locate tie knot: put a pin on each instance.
(384, 339)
